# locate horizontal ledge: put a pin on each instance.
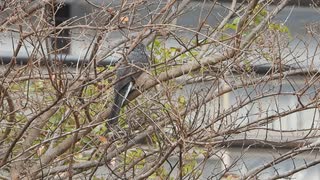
(60, 59)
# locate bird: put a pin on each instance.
(129, 70)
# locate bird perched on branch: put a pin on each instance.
(130, 69)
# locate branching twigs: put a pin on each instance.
(142, 82)
(290, 154)
(58, 113)
(33, 133)
(21, 133)
(11, 112)
(34, 6)
(132, 142)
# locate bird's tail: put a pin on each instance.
(115, 111)
(119, 100)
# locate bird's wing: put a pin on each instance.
(126, 74)
(126, 92)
